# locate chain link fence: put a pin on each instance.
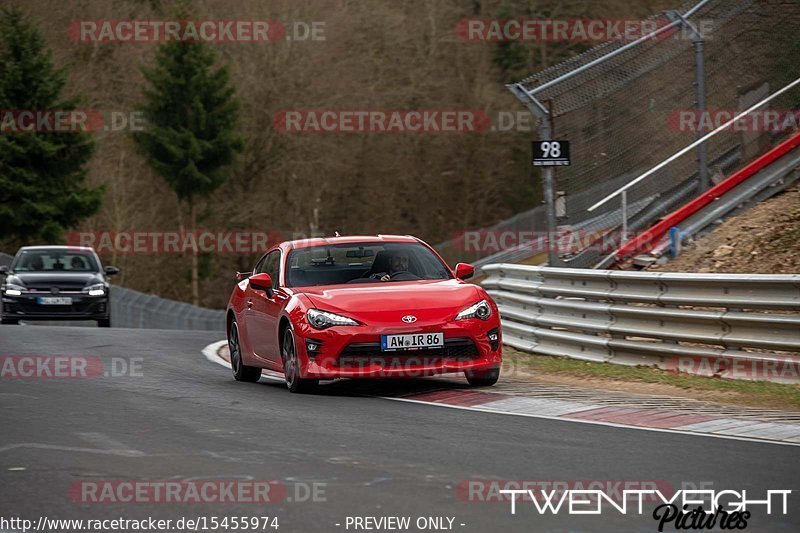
(625, 107)
(134, 309)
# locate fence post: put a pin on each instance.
(624, 238)
(700, 90)
(548, 174)
(548, 189)
(699, 97)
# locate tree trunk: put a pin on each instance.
(195, 276)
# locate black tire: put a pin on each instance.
(9, 321)
(104, 323)
(241, 372)
(294, 382)
(487, 378)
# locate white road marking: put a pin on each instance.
(595, 422)
(210, 352)
(107, 443)
(40, 446)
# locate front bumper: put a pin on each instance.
(83, 307)
(354, 351)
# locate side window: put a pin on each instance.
(259, 268)
(271, 265)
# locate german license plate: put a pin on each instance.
(55, 300)
(412, 341)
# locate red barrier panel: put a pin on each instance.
(644, 241)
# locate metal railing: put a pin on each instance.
(134, 309)
(6, 259)
(651, 318)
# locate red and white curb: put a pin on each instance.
(658, 420)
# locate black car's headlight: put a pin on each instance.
(11, 289)
(480, 310)
(98, 289)
(324, 319)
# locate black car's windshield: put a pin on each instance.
(367, 262)
(54, 261)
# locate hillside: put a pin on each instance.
(370, 55)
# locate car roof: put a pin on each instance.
(56, 247)
(350, 239)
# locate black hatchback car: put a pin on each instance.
(56, 283)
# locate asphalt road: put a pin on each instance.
(178, 416)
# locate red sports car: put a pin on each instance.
(360, 307)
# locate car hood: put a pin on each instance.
(429, 301)
(34, 280)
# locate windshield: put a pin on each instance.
(54, 261)
(368, 262)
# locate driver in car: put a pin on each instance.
(398, 263)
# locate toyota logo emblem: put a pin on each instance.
(409, 319)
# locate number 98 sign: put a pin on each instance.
(550, 153)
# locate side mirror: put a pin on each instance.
(111, 271)
(261, 282)
(4, 270)
(464, 270)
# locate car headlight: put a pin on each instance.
(324, 319)
(11, 289)
(98, 289)
(479, 310)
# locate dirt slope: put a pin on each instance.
(764, 239)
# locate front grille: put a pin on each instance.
(64, 286)
(29, 307)
(455, 349)
(48, 291)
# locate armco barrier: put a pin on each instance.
(6, 259)
(742, 326)
(134, 309)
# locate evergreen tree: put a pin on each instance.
(42, 174)
(192, 115)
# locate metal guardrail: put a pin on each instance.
(653, 318)
(134, 309)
